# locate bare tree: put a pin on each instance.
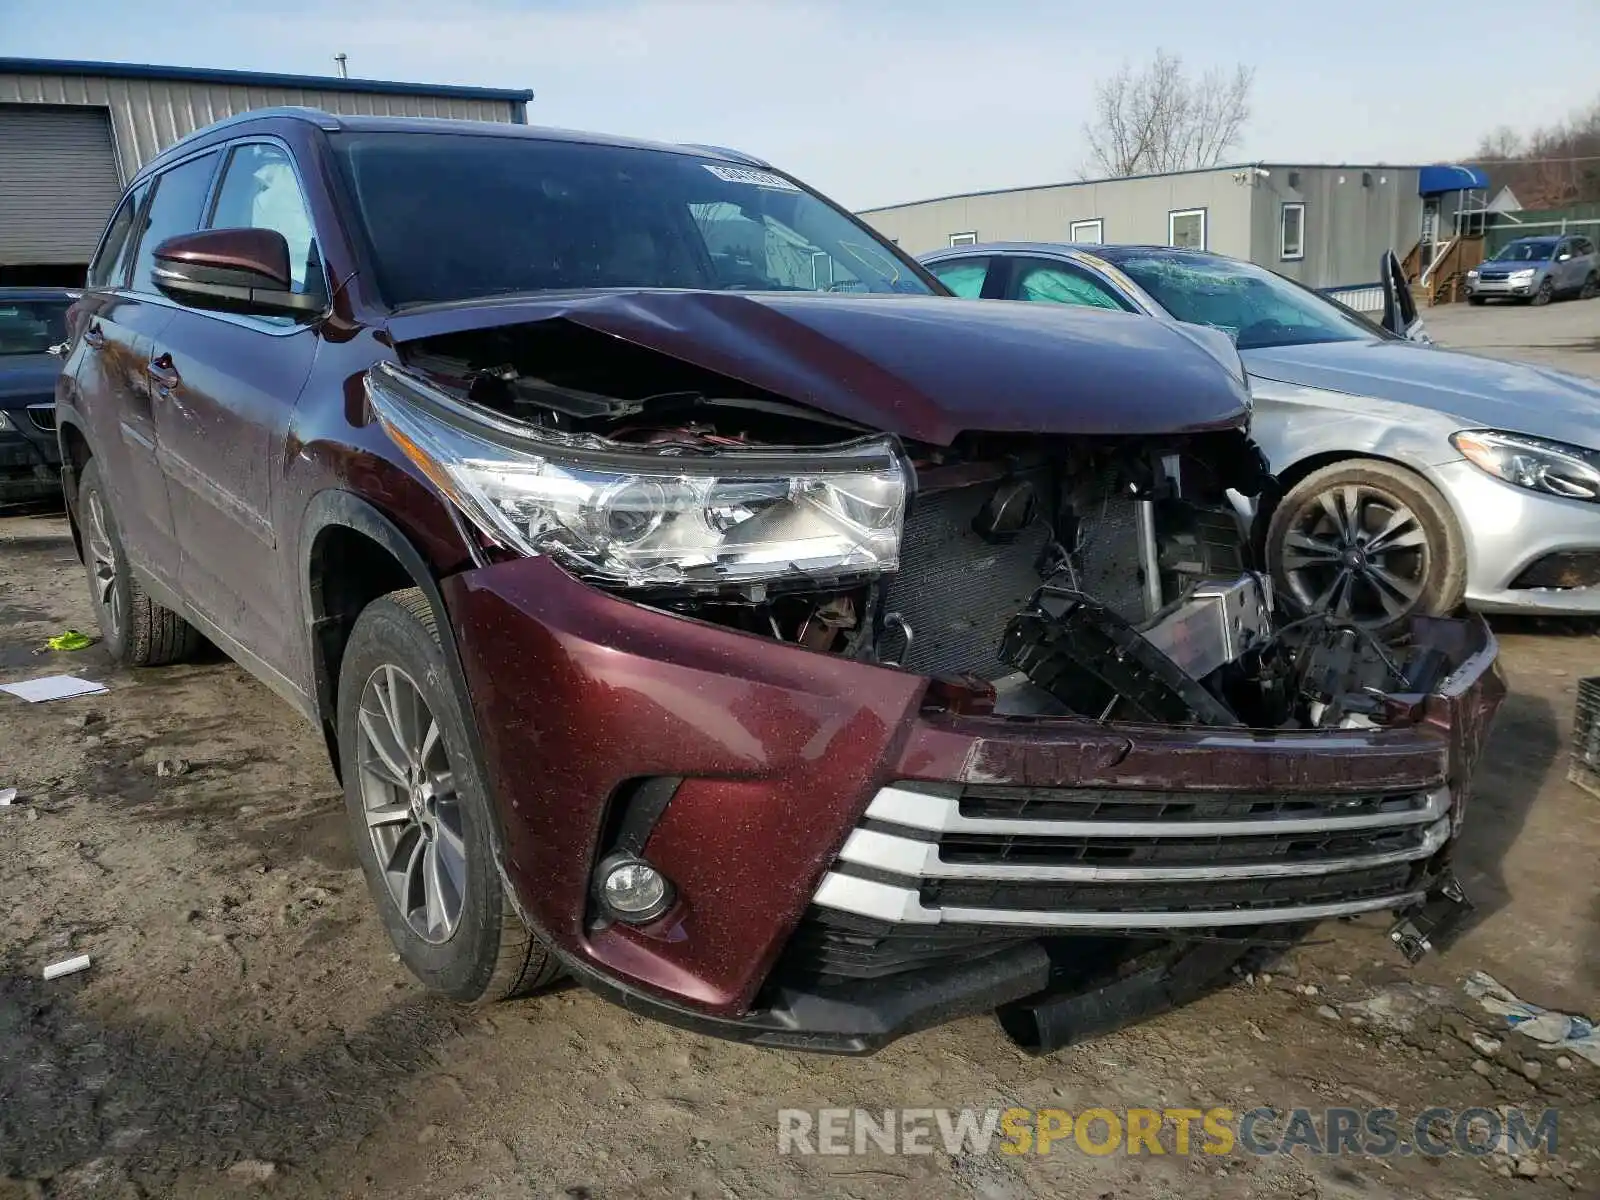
(1550, 167)
(1160, 118)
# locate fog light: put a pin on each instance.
(633, 890)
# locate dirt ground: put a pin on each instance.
(245, 1030)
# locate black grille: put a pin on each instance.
(1150, 896)
(1112, 804)
(1177, 852)
(840, 944)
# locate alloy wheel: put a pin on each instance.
(105, 579)
(1546, 292)
(413, 813)
(1358, 553)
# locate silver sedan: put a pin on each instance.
(1414, 478)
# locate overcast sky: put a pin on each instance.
(880, 101)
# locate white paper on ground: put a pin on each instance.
(53, 687)
(8, 797)
(68, 966)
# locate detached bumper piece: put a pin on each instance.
(1039, 860)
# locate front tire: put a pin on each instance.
(138, 632)
(1545, 294)
(419, 811)
(1368, 542)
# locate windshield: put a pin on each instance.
(1257, 308)
(1525, 252)
(452, 216)
(32, 326)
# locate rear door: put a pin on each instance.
(1400, 315)
(1056, 281)
(225, 388)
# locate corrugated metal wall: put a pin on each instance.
(58, 181)
(148, 115)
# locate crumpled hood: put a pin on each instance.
(1483, 392)
(924, 367)
(28, 377)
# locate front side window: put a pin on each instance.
(175, 208)
(259, 190)
(32, 326)
(1187, 228)
(1292, 232)
(454, 216)
(963, 276)
(1061, 283)
(1092, 232)
(1257, 308)
(110, 265)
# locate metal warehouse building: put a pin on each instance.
(1325, 226)
(71, 134)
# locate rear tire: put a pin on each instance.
(1590, 288)
(1386, 531)
(419, 812)
(138, 632)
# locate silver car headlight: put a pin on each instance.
(5, 423)
(1530, 462)
(1523, 275)
(653, 515)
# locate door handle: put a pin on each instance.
(164, 374)
(93, 338)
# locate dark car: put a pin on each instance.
(696, 598)
(33, 329)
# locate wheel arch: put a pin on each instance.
(352, 553)
(1300, 469)
(75, 455)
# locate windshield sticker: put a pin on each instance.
(763, 179)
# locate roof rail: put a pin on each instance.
(297, 112)
(749, 160)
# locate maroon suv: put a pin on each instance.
(696, 599)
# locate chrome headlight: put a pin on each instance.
(1472, 274)
(1523, 275)
(1530, 462)
(5, 423)
(662, 515)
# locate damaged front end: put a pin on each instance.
(1100, 763)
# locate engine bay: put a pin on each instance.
(1109, 578)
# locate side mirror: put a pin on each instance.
(232, 270)
(1562, 257)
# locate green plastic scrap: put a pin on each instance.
(70, 640)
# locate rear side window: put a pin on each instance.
(259, 190)
(176, 208)
(964, 276)
(110, 265)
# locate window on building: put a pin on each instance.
(1186, 227)
(1091, 231)
(176, 208)
(1062, 283)
(963, 239)
(1292, 231)
(963, 276)
(259, 190)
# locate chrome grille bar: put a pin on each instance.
(941, 813)
(921, 860)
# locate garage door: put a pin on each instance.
(58, 183)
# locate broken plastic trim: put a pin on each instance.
(660, 515)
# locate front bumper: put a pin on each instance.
(1501, 287)
(817, 820)
(1511, 529)
(30, 462)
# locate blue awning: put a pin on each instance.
(1449, 178)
